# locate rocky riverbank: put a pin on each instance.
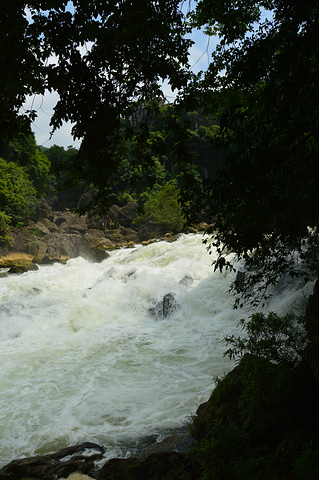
(56, 236)
(87, 460)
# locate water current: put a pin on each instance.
(82, 359)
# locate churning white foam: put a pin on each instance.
(82, 359)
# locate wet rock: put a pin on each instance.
(23, 268)
(127, 214)
(170, 237)
(80, 458)
(191, 230)
(122, 236)
(148, 242)
(109, 274)
(60, 247)
(149, 230)
(80, 463)
(128, 277)
(50, 261)
(186, 281)
(129, 234)
(178, 440)
(96, 254)
(155, 467)
(165, 308)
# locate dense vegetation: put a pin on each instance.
(24, 177)
(29, 173)
(261, 85)
(238, 147)
(262, 82)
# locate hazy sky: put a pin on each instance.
(199, 59)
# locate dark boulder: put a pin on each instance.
(122, 236)
(155, 467)
(127, 214)
(23, 268)
(80, 458)
(165, 308)
(149, 230)
(96, 254)
(186, 281)
(43, 211)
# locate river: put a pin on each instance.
(82, 359)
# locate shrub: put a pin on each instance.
(277, 339)
(261, 421)
(17, 193)
(163, 208)
(4, 229)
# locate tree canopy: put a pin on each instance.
(24, 151)
(106, 60)
(100, 57)
(261, 83)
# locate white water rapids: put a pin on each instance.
(83, 360)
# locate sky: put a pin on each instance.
(43, 104)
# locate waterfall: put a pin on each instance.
(83, 359)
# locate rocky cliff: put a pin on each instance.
(56, 236)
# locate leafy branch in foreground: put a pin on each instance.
(277, 339)
(265, 195)
(260, 269)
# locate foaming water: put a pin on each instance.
(82, 359)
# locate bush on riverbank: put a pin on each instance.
(261, 421)
(163, 209)
(4, 229)
(18, 197)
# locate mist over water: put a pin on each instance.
(82, 359)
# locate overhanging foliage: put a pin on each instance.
(262, 84)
